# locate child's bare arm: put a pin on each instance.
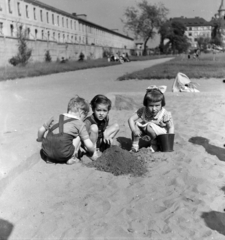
(170, 126)
(41, 133)
(44, 128)
(131, 122)
(89, 146)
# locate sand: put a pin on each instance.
(180, 197)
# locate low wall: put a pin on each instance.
(9, 48)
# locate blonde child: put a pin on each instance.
(101, 133)
(62, 143)
(152, 119)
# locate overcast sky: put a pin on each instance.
(108, 13)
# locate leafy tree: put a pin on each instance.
(203, 42)
(24, 53)
(217, 31)
(48, 57)
(145, 20)
(174, 32)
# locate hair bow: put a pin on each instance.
(162, 88)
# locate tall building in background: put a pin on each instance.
(195, 28)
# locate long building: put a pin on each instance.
(55, 30)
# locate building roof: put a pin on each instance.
(191, 22)
(50, 8)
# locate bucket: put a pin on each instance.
(165, 142)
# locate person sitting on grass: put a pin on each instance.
(101, 133)
(63, 140)
(152, 119)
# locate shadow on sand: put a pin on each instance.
(5, 229)
(215, 221)
(125, 143)
(211, 149)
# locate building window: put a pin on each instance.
(58, 20)
(63, 37)
(53, 36)
(20, 30)
(27, 13)
(1, 28)
(42, 34)
(62, 21)
(74, 24)
(35, 14)
(36, 32)
(18, 9)
(9, 5)
(71, 38)
(11, 30)
(67, 23)
(48, 35)
(41, 16)
(53, 19)
(189, 34)
(28, 33)
(58, 37)
(47, 17)
(71, 24)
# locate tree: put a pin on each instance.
(174, 32)
(203, 42)
(217, 31)
(24, 53)
(145, 20)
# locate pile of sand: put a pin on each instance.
(120, 162)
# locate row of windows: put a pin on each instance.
(55, 19)
(48, 35)
(205, 34)
(199, 28)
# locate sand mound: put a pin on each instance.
(120, 162)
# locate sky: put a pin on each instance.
(108, 13)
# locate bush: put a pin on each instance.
(24, 53)
(48, 57)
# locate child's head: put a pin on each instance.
(100, 99)
(154, 95)
(101, 106)
(78, 105)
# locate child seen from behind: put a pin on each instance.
(62, 143)
(101, 133)
(152, 119)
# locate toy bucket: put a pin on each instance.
(165, 142)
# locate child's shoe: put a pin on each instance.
(134, 150)
(154, 146)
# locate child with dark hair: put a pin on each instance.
(101, 133)
(62, 143)
(152, 119)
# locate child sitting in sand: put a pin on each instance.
(101, 134)
(152, 119)
(62, 143)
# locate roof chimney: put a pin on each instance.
(81, 16)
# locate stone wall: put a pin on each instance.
(9, 48)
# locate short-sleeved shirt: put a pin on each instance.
(74, 128)
(161, 118)
(102, 125)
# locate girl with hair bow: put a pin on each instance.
(152, 119)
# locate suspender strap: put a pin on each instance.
(61, 122)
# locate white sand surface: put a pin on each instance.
(180, 198)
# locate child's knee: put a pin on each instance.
(94, 128)
(116, 126)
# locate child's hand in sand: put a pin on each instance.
(136, 133)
